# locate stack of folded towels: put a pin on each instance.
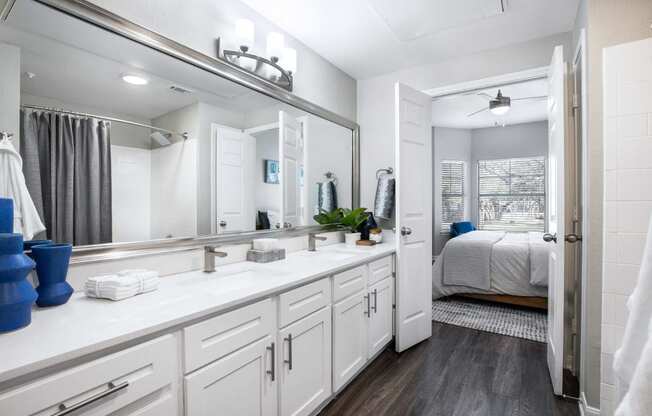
(122, 285)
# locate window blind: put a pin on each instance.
(512, 194)
(452, 193)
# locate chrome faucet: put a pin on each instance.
(210, 252)
(312, 237)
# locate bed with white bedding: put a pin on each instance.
(492, 262)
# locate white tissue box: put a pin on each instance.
(266, 244)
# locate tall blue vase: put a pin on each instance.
(51, 268)
(6, 215)
(16, 294)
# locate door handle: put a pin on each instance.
(573, 238)
(367, 298)
(375, 307)
(547, 237)
(289, 360)
(272, 371)
(112, 389)
(406, 230)
(222, 223)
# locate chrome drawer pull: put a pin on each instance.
(113, 388)
(375, 307)
(272, 372)
(367, 298)
(289, 360)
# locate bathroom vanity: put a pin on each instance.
(258, 339)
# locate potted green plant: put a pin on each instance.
(352, 219)
(330, 220)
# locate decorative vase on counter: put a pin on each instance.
(16, 294)
(351, 238)
(27, 245)
(6, 215)
(51, 269)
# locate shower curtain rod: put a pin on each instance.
(117, 120)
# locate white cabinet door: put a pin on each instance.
(380, 318)
(242, 383)
(305, 369)
(350, 318)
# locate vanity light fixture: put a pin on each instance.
(280, 64)
(134, 79)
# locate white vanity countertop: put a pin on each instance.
(84, 326)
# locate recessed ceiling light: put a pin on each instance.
(134, 79)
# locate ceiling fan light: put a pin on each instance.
(500, 109)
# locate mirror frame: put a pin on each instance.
(118, 25)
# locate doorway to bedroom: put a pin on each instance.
(506, 168)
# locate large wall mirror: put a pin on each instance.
(123, 143)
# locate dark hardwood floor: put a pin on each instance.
(457, 372)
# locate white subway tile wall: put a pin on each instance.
(627, 192)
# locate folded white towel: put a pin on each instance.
(119, 286)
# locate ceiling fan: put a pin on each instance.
(500, 104)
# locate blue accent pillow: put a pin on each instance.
(462, 227)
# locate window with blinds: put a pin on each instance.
(512, 194)
(452, 193)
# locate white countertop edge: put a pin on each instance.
(380, 251)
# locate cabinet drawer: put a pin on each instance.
(214, 338)
(145, 369)
(349, 282)
(380, 269)
(303, 301)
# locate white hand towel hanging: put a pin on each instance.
(12, 185)
(631, 358)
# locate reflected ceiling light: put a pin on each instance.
(245, 33)
(134, 79)
(277, 68)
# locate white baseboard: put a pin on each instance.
(585, 409)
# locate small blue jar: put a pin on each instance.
(16, 294)
(52, 268)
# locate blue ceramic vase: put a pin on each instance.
(51, 268)
(16, 294)
(6, 215)
(27, 245)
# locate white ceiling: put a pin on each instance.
(452, 111)
(366, 38)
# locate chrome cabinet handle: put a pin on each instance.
(222, 223)
(113, 388)
(289, 360)
(272, 371)
(375, 307)
(406, 230)
(547, 237)
(367, 297)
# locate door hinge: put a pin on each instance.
(576, 101)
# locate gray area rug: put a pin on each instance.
(489, 317)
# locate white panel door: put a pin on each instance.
(242, 383)
(413, 216)
(291, 163)
(350, 321)
(305, 366)
(233, 164)
(381, 314)
(555, 208)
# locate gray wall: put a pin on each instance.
(519, 140)
(10, 90)
(448, 144)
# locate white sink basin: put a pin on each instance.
(327, 255)
(232, 278)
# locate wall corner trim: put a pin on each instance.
(585, 409)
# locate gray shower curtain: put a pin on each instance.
(67, 168)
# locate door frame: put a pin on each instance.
(580, 54)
